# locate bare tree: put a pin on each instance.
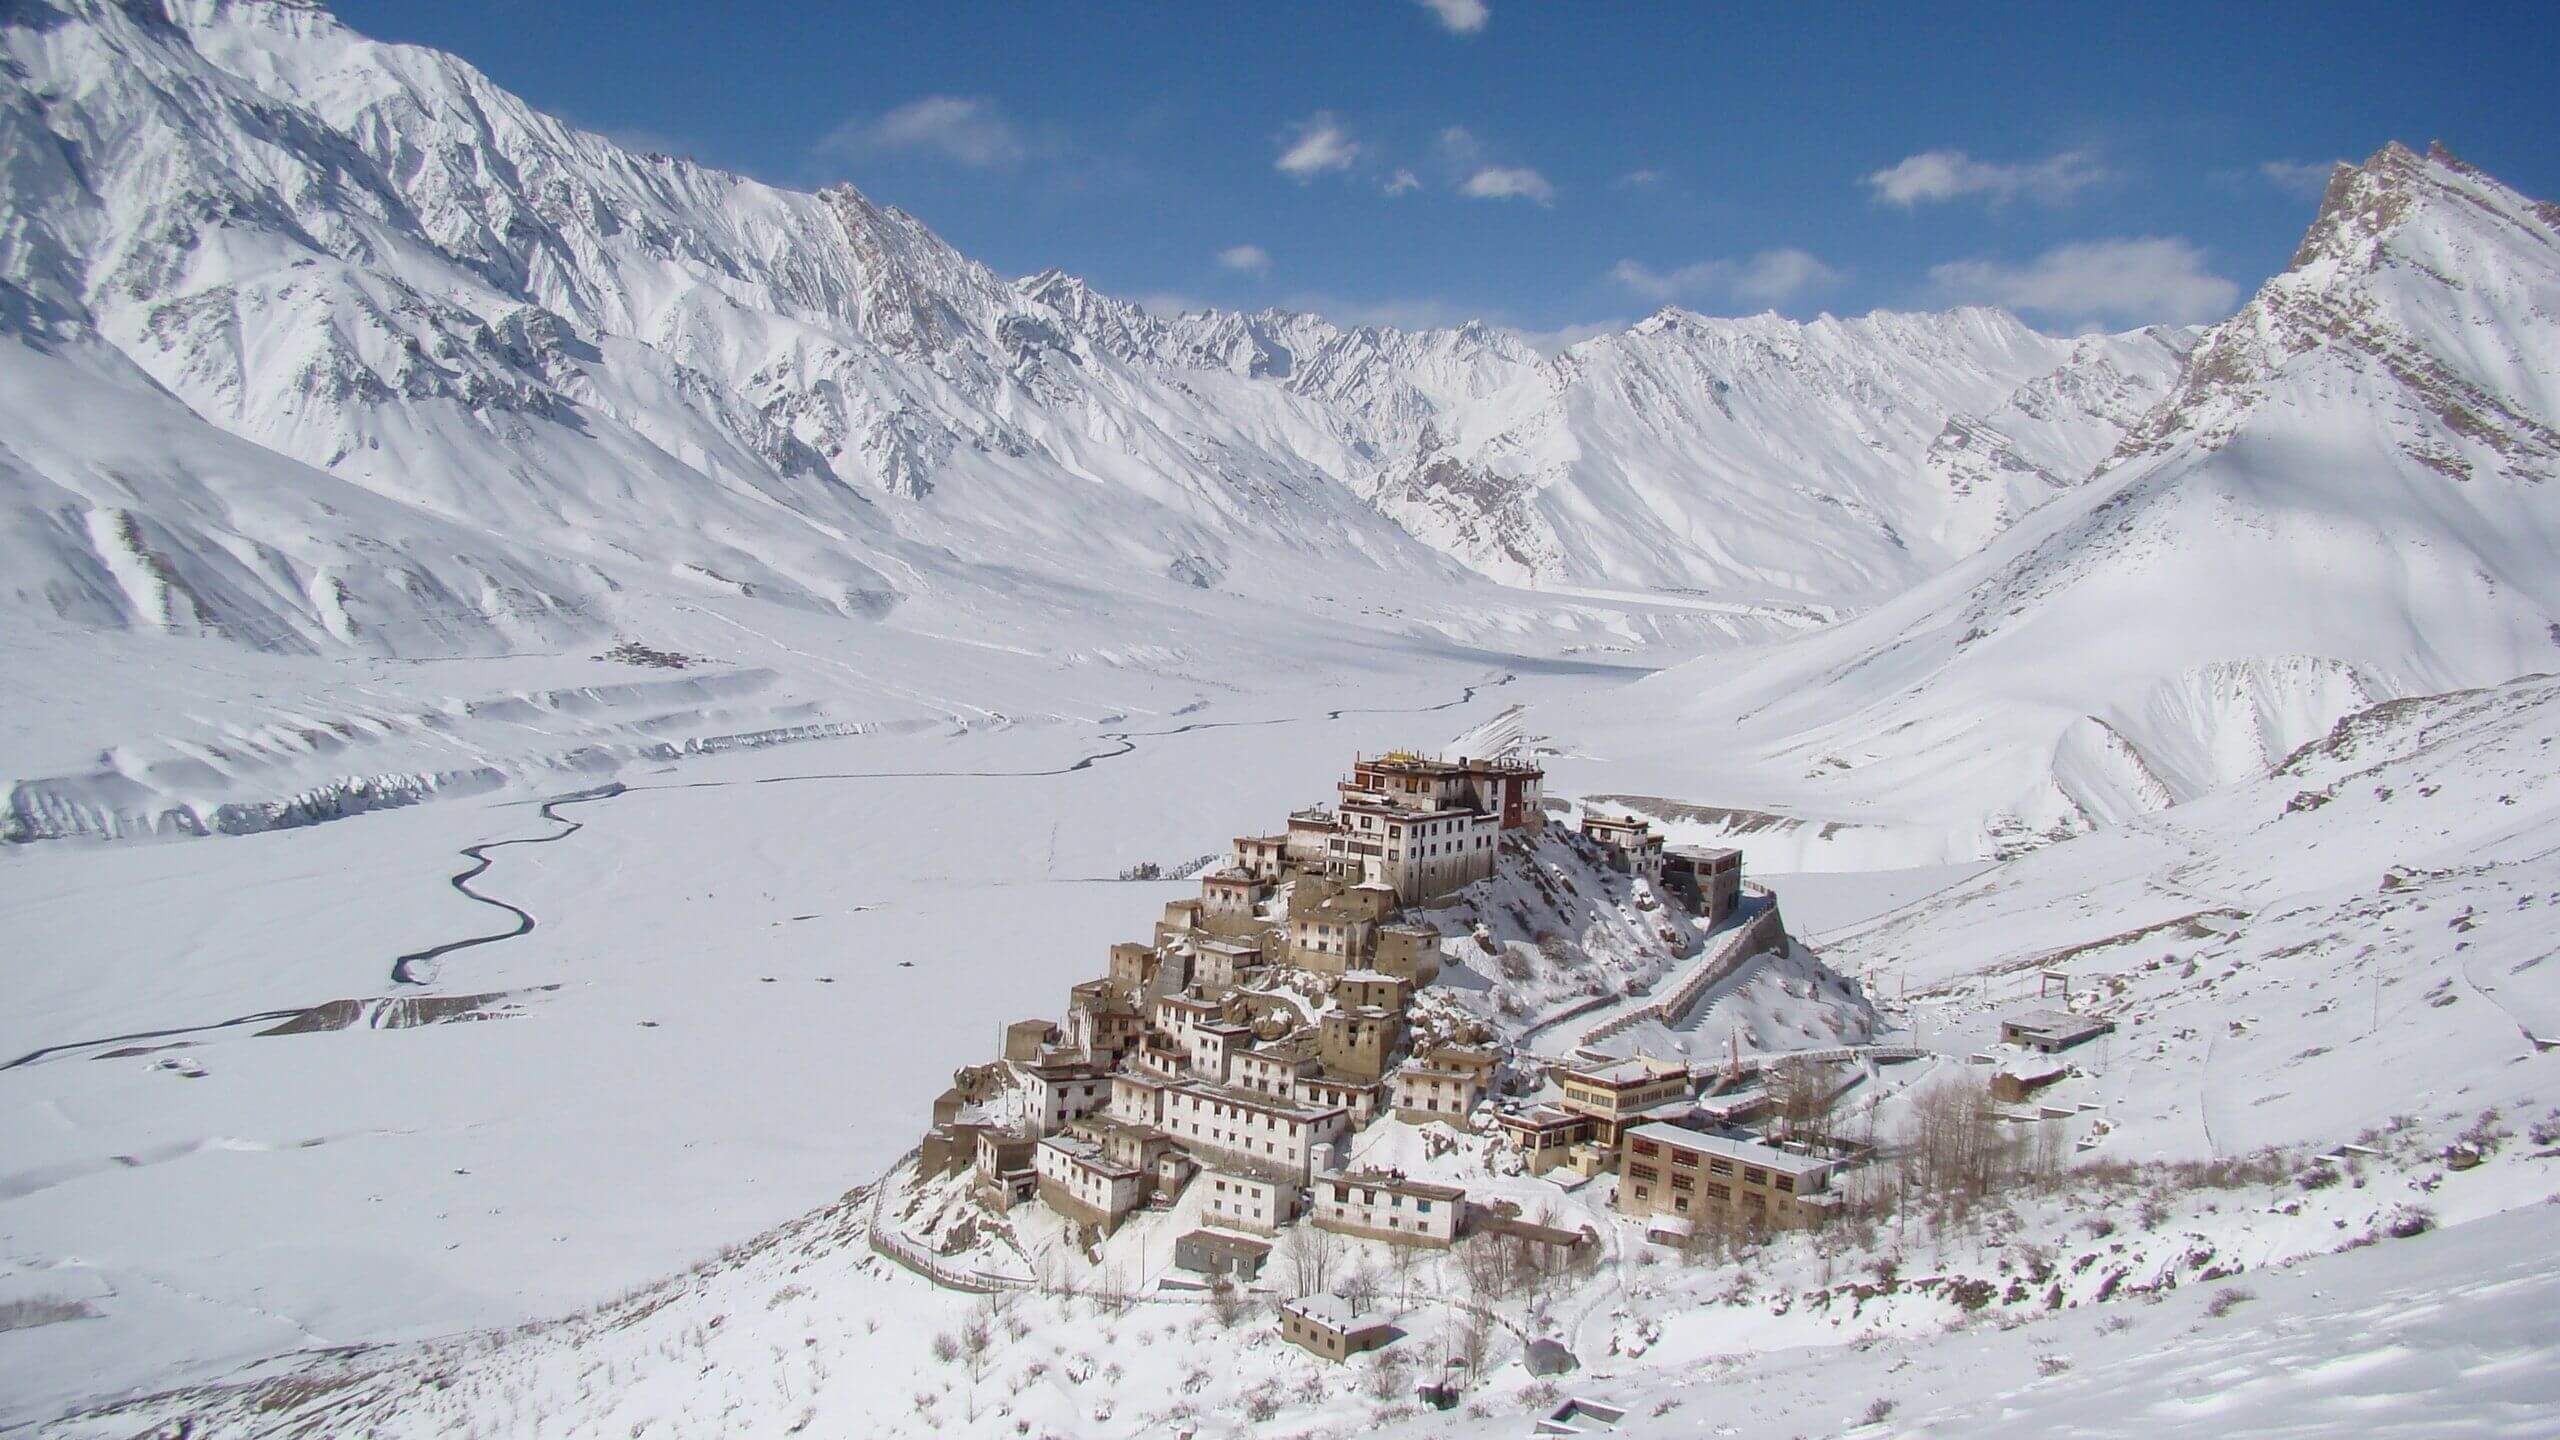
(1955, 1151)
(1310, 1257)
(1387, 1372)
(1404, 1260)
(1468, 1344)
(1486, 1267)
(1361, 1285)
(1226, 1303)
(1800, 1096)
(976, 1343)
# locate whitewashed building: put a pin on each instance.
(1384, 1205)
(1268, 1133)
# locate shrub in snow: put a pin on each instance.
(41, 1310)
(2408, 1221)
(2228, 1299)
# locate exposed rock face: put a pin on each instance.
(2398, 231)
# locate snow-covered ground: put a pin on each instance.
(806, 627)
(618, 1128)
(750, 974)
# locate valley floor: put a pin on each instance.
(749, 972)
(749, 975)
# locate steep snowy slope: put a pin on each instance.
(1833, 462)
(2363, 933)
(370, 260)
(2347, 498)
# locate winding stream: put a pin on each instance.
(406, 969)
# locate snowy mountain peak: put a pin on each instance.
(2345, 499)
(2427, 276)
(2365, 204)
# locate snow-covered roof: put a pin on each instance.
(1749, 1152)
(1226, 1243)
(1633, 1071)
(1335, 1313)
(1394, 1181)
(2057, 1023)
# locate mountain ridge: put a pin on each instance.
(372, 260)
(2345, 499)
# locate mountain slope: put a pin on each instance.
(2346, 498)
(1831, 463)
(370, 260)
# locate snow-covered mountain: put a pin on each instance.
(2346, 498)
(401, 286)
(1832, 463)
(326, 346)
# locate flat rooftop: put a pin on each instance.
(2058, 1022)
(1749, 1152)
(1336, 1314)
(1219, 1242)
(1391, 1180)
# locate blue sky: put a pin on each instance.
(1556, 167)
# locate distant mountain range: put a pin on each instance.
(331, 347)
(404, 365)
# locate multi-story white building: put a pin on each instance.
(1249, 1200)
(1230, 898)
(1078, 1181)
(1219, 964)
(1057, 1091)
(1384, 1205)
(1264, 857)
(1435, 1089)
(1276, 1069)
(1416, 853)
(1180, 1017)
(1270, 1134)
(1214, 1048)
(1633, 845)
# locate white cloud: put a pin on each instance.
(2296, 177)
(1251, 259)
(2138, 281)
(1402, 182)
(1509, 182)
(1460, 17)
(1315, 145)
(963, 129)
(1933, 176)
(1640, 178)
(1771, 277)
